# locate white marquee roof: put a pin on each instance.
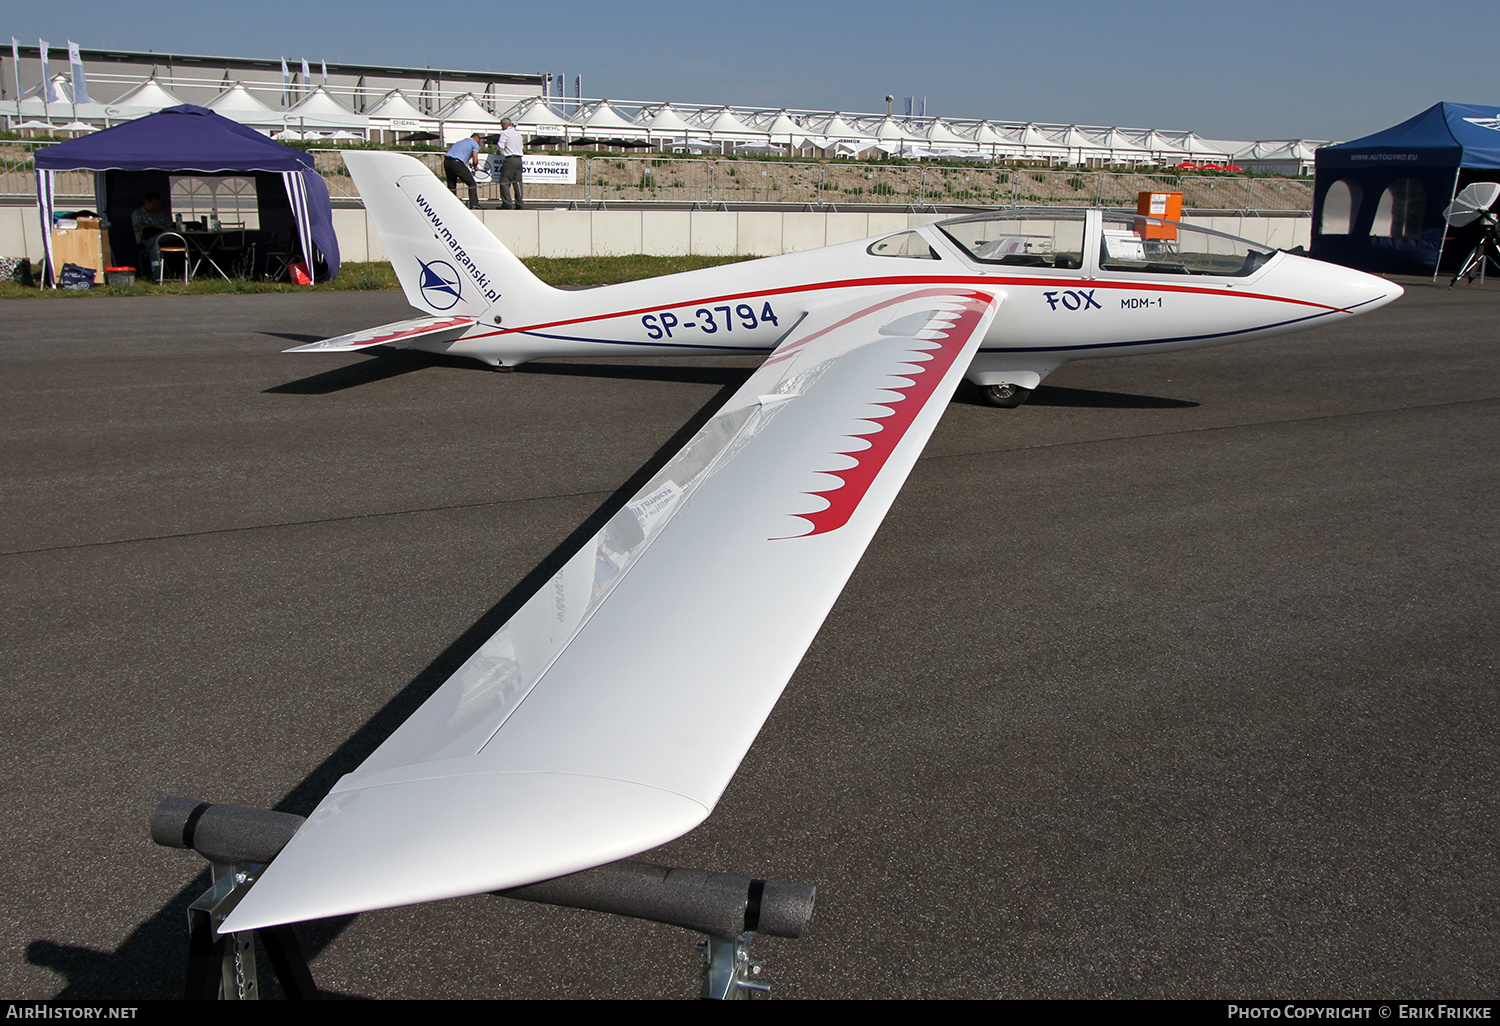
(465, 110)
(602, 118)
(535, 114)
(320, 110)
(723, 123)
(238, 104)
(663, 119)
(394, 106)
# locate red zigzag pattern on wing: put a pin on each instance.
(886, 432)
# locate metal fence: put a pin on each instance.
(600, 181)
(18, 174)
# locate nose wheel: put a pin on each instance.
(1007, 397)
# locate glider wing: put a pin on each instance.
(609, 714)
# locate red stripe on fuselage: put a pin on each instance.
(851, 283)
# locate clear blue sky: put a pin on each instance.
(1256, 69)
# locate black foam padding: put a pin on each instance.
(222, 833)
(170, 819)
(785, 908)
(694, 899)
(723, 905)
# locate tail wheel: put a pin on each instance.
(1007, 397)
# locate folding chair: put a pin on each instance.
(171, 244)
(279, 253)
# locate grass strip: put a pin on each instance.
(570, 272)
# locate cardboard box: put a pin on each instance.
(84, 246)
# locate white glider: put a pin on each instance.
(609, 714)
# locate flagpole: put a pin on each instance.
(80, 79)
(46, 85)
(15, 61)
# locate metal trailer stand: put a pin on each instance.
(239, 842)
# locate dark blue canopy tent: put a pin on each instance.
(1378, 202)
(190, 139)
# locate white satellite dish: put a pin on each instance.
(1471, 204)
(1473, 201)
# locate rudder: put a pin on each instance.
(448, 262)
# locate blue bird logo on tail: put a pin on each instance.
(440, 284)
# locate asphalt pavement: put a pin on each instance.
(1178, 681)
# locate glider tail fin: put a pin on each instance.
(448, 262)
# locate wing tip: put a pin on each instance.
(451, 836)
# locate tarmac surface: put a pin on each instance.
(1179, 681)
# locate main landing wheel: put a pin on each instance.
(1007, 397)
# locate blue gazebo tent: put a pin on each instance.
(1378, 202)
(192, 140)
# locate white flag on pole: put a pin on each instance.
(49, 91)
(325, 73)
(15, 67)
(286, 83)
(80, 84)
(306, 77)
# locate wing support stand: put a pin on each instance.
(238, 842)
(728, 972)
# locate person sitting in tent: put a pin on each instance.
(149, 220)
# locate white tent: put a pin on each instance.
(889, 128)
(663, 123)
(534, 117)
(1223, 150)
(663, 118)
(781, 128)
(395, 114)
(319, 110)
(63, 107)
(722, 125)
(464, 116)
(469, 111)
(601, 120)
(1116, 147)
(146, 98)
(1197, 147)
(394, 106)
(238, 104)
(841, 136)
(1076, 146)
(1279, 156)
(836, 126)
(995, 141)
(760, 148)
(938, 136)
(1036, 145)
(1162, 149)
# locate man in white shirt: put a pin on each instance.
(510, 166)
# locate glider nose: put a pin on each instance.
(1342, 288)
(1385, 291)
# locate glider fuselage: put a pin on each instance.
(1111, 296)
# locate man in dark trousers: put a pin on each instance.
(509, 147)
(460, 162)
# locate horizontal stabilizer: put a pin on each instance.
(433, 329)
